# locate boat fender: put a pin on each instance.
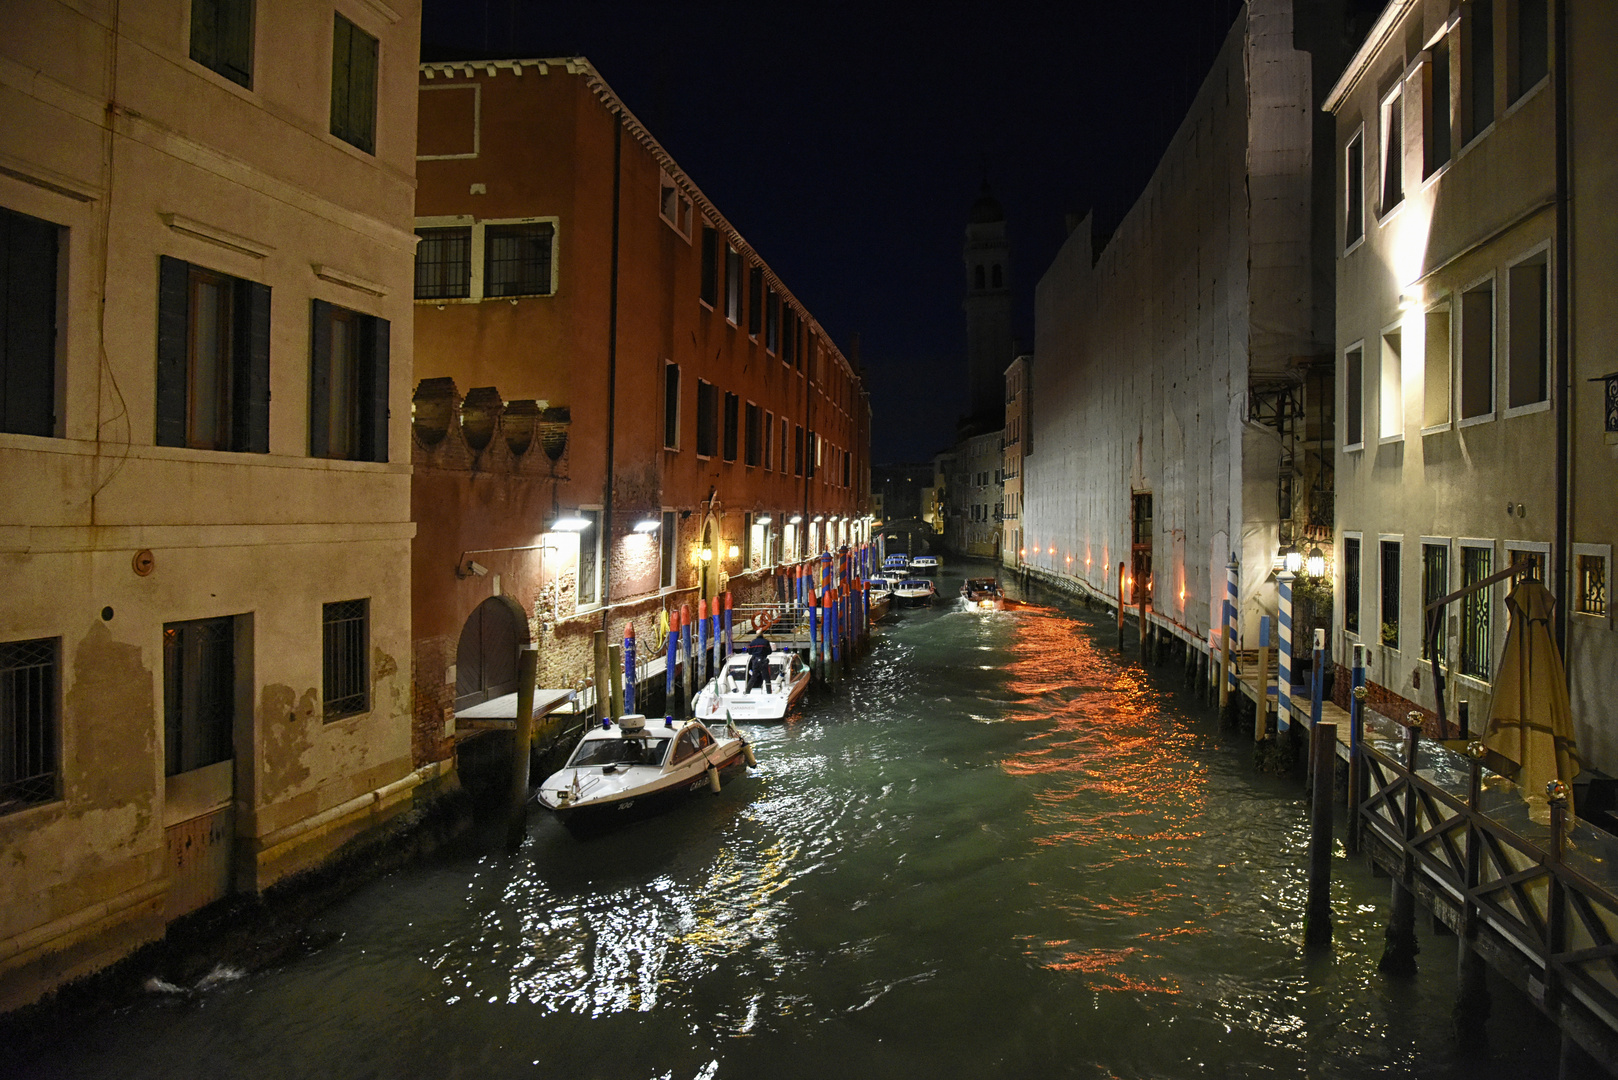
(747, 752)
(713, 778)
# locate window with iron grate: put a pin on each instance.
(28, 723)
(345, 675)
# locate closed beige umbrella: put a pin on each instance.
(1530, 720)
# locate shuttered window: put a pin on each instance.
(353, 86)
(222, 38)
(28, 253)
(213, 360)
(732, 419)
(348, 384)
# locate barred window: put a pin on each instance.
(1477, 638)
(444, 263)
(517, 259)
(1591, 594)
(28, 721)
(345, 676)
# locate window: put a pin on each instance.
(28, 722)
(1532, 556)
(733, 284)
(1391, 415)
(1393, 150)
(755, 435)
(444, 263)
(1477, 563)
(667, 540)
(353, 86)
(811, 448)
(789, 341)
(222, 38)
(671, 406)
(1528, 333)
(1354, 190)
(1590, 579)
(772, 321)
(517, 259)
(1477, 24)
(1351, 584)
(797, 448)
(348, 385)
(1434, 586)
(674, 206)
(978, 281)
(1390, 593)
(1354, 398)
(755, 300)
(1435, 371)
(28, 261)
(199, 693)
(1528, 56)
(848, 465)
(783, 444)
(1436, 105)
(732, 410)
(213, 360)
(707, 419)
(996, 280)
(345, 643)
(589, 591)
(710, 265)
(769, 441)
(1477, 351)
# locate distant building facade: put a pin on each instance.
(1173, 362)
(620, 408)
(1469, 330)
(205, 230)
(974, 497)
(1012, 549)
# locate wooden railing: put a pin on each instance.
(1543, 891)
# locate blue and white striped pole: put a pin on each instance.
(1232, 581)
(1283, 710)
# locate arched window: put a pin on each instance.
(997, 275)
(978, 277)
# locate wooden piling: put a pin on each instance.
(1323, 767)
(522, 739)
(1472, 1000)
(1399, 953)
(1261, 713)
(603, 677)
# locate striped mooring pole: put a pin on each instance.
(1283, 708)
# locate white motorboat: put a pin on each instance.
(924, 564)
(728, 698)
(914, 591)
(878, 596)
(624, 771)
(897, 564)
(984, 594)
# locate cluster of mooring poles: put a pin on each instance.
(1512, 900)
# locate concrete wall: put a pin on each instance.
(114, 134)
(1145, 350)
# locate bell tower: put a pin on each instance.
(989, 344)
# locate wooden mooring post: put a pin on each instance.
(1356, 767)
(522, 739)
(1399, 954)
(1472, 1001)
(1323, 768)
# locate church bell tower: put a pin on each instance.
(989, 344)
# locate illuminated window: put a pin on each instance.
(1590, 579)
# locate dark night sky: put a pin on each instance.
(847, 142)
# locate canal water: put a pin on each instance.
(999, 849)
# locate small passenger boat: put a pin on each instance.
(924, 564)
(878, 597)
(984, 594)
(624, 771)
(897, 562)
(727, 697)
(914, 591)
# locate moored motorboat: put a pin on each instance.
(624, 771)
(924, 564)
(983, 594)
(914, 591)
(727, 697)
(878, 597)
(897, 563)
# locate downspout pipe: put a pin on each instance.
(612, 370)
(1562, 359)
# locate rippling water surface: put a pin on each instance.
(999, 849)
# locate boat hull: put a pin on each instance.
(602, 815)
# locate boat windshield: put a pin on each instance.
(650, 750)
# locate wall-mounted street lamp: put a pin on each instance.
(570, 523)
(762, 519)
(1291, 559)
(1315, 565)
(705, 555)
(820, 517)
(734, 551)
(795, 519)
(647, 525)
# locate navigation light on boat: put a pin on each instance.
(668, 721)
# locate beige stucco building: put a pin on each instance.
(1469, 323)
(206, 214)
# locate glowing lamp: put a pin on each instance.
(1315, 565)
(648, 525)
(795, 519)
(706, 554)
(734, 551)
(570, 524)
(762, 519)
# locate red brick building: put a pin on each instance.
(583, 312)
